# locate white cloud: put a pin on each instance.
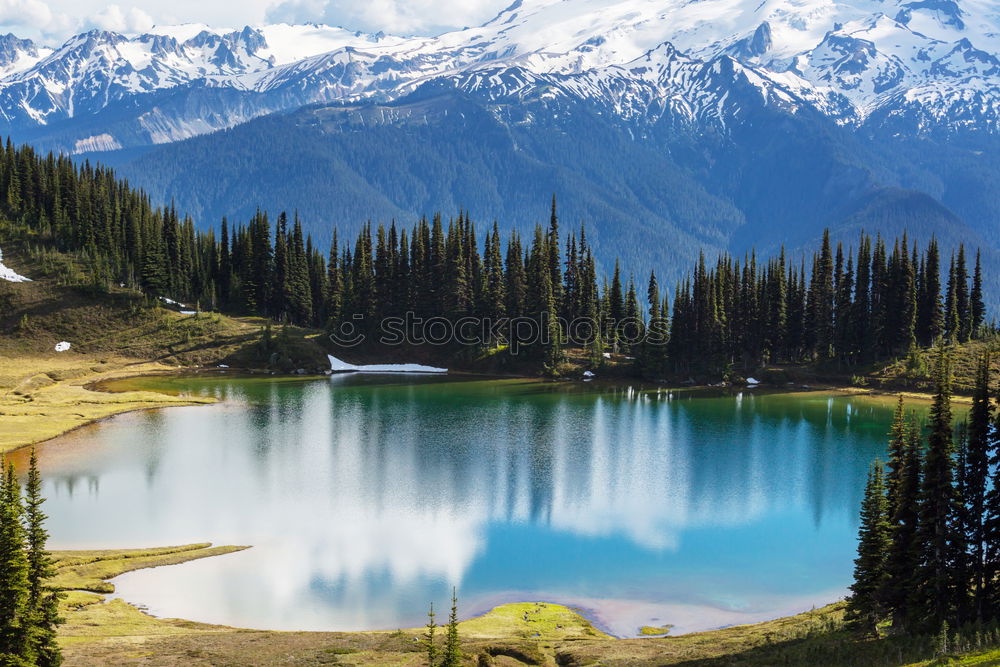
(392, 16)
(53, 21)
(116, 19)
(25, 12)
(34, 16)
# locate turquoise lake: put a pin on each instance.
(366, 497)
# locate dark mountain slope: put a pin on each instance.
(345, 165)
(654, 195)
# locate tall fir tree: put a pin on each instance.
(903, 558)
(15, 612)
(980, 445)
(430, 645)
(939, 505)
(977, 309)
(867, 607)
(452, 654)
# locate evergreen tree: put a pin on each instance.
(963, 312)
(866, 606)
(938, 507)
(951, 320)
(931, 315)
(15, 613)
(861, 320)
(429, 644)
(820, 326)
(977, 309)
(514, 278)
(555, 274)
(616, 308)
(980, 445)
(903, 558)
(452, 656)
(898, 434)
(42, 603)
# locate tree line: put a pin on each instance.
(929, 539)
(29, 608)
(848, 306)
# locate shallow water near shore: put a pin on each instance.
(367, 497)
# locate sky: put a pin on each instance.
(52, 21)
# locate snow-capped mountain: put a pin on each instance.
(920, 65)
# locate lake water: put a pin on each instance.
(367, 497)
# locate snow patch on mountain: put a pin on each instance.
(97, 142)
(9, 274)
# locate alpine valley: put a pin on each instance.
(666, 126)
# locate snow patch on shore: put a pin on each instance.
(9, 274)
(338, 366)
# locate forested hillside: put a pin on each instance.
(541, 294)
(654, 194)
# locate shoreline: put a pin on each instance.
(76, 397)
(96, 616)
(591, 616)
(45, 399)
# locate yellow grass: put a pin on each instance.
(90, 617)
(90, 570)
(535, 620)
(42, 397)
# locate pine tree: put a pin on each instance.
(429, 644)
(861, 315)
(514, 278)
(820, 314)
(977, 309)
(280, 287)
(15, 617)
(866, 606)
(980, 444)
(42, 602)
(616, 308)
(555, 274)
(897, 456)
(951, 321)
(903, 558)
(931, 319)
(452, 656)
(962, 309)
(938, 508)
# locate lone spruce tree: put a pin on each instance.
(866, 607)
(429, 638)
(452, 647)
(43, 603)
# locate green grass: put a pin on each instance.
(984, 658)
(914, 370)
(534, 620)
(114, 331)
(90, 570)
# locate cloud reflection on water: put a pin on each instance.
(364, 501)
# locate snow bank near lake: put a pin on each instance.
(338, 366)
(9, 274)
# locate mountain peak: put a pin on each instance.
(851, 59)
